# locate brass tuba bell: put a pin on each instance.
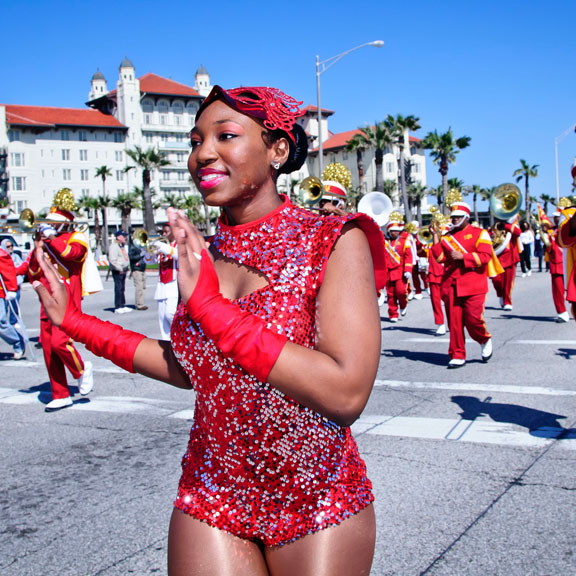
(425, 235)
(505, 201)
(311, 190)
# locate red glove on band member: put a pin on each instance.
(102, 338)
(239, 335)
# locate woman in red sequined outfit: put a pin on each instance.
(278, 333)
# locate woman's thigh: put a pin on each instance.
(197, 549)
(343, 550)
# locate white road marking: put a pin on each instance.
(457, 386)
(436, 340)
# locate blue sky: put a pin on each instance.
(501, 72)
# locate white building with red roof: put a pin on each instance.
(49, 148)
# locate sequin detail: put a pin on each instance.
(259, 465)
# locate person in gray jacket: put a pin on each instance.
(119, 263)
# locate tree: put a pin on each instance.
(443, 149)
(358, 144)
(125, 203)
(148, 160)
(400, 128)
(90, 203)
(390, 188)
(416, 193)
(475, 190)
(377, 137)
(104, 202)
(546, 199)
(525, 172)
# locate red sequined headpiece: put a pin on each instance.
(276, 110)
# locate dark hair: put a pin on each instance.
(297, 151)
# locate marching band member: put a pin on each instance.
(567, 239)
(167, 288)
(555, 257)
(435, 275)
(336, 179)
(8, 292)
(420, 269)
(508, 252)
(399, 263)
(67, 250)
(466, 252)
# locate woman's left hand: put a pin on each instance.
(54, 300)
(191, 243)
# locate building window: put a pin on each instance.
(412, 150)
(20, 205)
(177, 120)
(64, 134)
(390, 166)
(147, 106)
(82, 136)
(118, 155)
(83, 155)
(119, 175)
(415, 168)
(147, 119)
(181, 175)
(164, 174)
(84, 175)
(162, 119)
(18, 183)
(118, 137)
(85, 191)
(163, 107)
(17, 159)
(66, 174)
(149, 139)
(14, 135)
(180, 157)
(66, 154)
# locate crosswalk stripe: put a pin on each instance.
(436, 340)
(492, 388)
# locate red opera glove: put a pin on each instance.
(102, 338)
(237, 333)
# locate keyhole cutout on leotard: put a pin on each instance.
(237, 280)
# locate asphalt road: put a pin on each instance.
(473, 469)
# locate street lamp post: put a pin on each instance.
(321, 67)
(556, 141)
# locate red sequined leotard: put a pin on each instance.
(259, 465)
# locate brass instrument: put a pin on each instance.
(28, 222)
(143, 240)
(425, 235)
(310, 193)
(377, 205)
(505, 202)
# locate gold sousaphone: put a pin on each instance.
(505, 201)
(28, 222)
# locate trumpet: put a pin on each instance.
(145, 241)
(28, 222)
(310, 193)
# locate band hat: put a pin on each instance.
(120, 233)
(59, 215)
(395, 226)
(332, 188)
(460, 209)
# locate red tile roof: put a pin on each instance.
(154, 84)
(46, 117)
(313, 110)
(339, 140)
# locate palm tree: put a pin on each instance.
(104, 202)
(546, 199)
(416, 193)
(438, 192)
(400, 128)
(526, 172)
(91, 203)
(476, 191)
(377, 137)
(125, 203)
(390, 188)
(148, 160)
(443, 149)
(103, 172)
(358, 144)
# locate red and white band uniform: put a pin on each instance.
(465, 285)
(8, 290)
(419, 273)
(555, 255)
(399, 259)
(167, 288)
(567, 239)
(435, 275)
(68, 251)
(509, 256)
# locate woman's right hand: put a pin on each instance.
(54, 300)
